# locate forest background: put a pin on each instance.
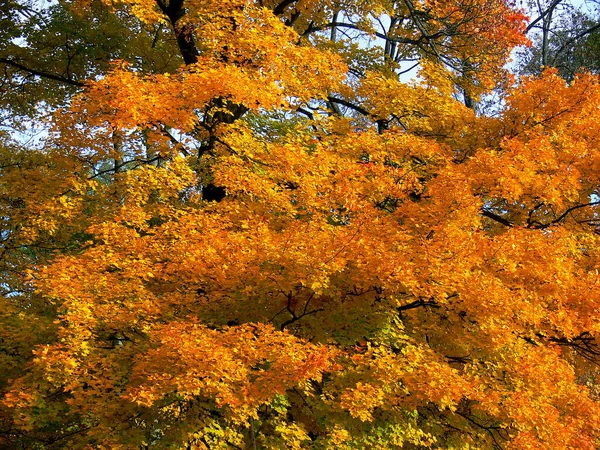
(328, 224)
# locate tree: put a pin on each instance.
(565, 37)
(281, 244)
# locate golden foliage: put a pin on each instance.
(269, 249)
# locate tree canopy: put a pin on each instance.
(282, 224)
(565, 35)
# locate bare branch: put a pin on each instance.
(42, 74)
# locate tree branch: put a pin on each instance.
(548, 10)
(487, 213)
(39, 73)
(184, 33)
(343, 102)
(417, 304)
(280, 9)
(563, 215)
(576, 38)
